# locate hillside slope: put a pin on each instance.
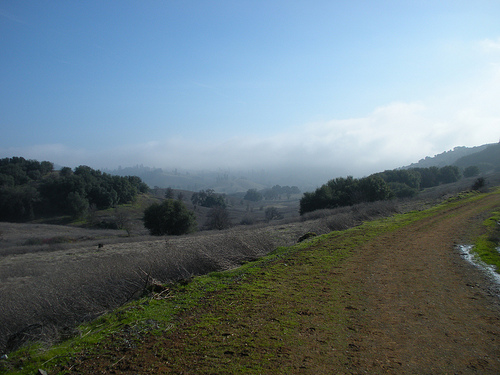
(447, 157)
(391, 296)
(487, 160)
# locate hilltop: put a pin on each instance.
(487, 159)
(460, 156)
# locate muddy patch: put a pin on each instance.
(467, 253)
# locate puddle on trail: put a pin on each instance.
(468, 255)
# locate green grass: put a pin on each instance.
(287, 277)
(486, 245)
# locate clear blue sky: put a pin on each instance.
(361, 85)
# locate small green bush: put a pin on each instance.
(478, 184)
(170, 217)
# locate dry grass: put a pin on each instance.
(52, 286)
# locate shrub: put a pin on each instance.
(341, 221)
(402, 190)
(247, 220)
(306, 236)
(252, 195)
(478, 184)
(218, 218)
(272, 213)
(170, 217)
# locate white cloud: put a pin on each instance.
(393, 135)
(490, 45)
(389, 137)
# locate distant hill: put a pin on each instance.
(220, 181)
(486, 160)
(235, 181)
(448, 157)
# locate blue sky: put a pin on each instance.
(350, 86)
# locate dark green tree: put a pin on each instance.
(76, 205)
(16, 171)
(373, 188)
(66, 171)
(401, 190)
(171, 217)
(46, 167)
(471, 171)
(449, 174)
(139, 185)
(409, 177)
(6, 180)
(17, 203)
(169, 193)
(429, 177)
(252, 195)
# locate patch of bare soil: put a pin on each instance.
(419, 309)
(424, 309)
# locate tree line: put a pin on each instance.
(401, 183)
(345, 192)
(30, 189)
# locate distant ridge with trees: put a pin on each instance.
(458, 156)
(486, 160)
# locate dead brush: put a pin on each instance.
(340, 221)
(154, 287)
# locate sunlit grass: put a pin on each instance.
(486, 247)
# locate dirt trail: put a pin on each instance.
(425, 310)
(414, 307)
